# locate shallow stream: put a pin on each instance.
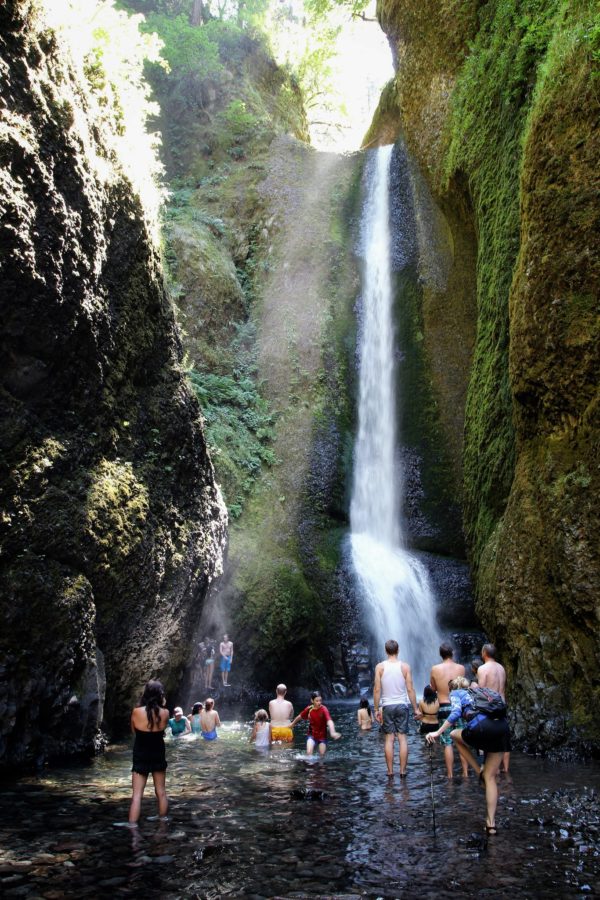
(272, 824)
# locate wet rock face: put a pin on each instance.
(112, 526)
(517, 190)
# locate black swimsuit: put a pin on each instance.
(149, 752)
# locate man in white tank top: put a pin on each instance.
(393, 694)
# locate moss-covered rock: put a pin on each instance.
(498, 103)
(112, 526)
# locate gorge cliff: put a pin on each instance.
(112, 525)
(499, 106)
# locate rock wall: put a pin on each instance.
(499, 108)
(112, 526)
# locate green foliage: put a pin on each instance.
(322, 8)
(188, 50)
(238, 121)
(239, 430)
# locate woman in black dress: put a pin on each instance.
(148, 723)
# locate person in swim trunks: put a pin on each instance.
(393, 696)
(319, 724)
(148, 723)
(281, 712)
(226, 651)
(440, 676)
(209, 720)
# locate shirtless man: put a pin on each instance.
(226, 651)
(281, 712)
(394, 685)
(493, 676)
(440, 675)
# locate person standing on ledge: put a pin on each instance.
(393, 694)
(439, 677)
(281, 712)
(492, 675)
(148, 723)
(226, 651)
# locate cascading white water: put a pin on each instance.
(394, 584)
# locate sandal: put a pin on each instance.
(491, 830)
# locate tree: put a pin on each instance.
(199, 14)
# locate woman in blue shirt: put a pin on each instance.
(179, 724)
(481, 732)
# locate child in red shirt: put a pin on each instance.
(319, 723)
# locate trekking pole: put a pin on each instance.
(431, 779)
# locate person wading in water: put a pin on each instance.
(148, 723)
(493, 676)
(394, 685)
(282, 713)
(439, 678)
(482, 731)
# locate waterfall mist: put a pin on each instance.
(393, 584)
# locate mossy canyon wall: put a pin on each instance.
(499, 105)
(112, 526)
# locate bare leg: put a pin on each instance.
(490, 770)
(161, 792)
(449, 759)
(505, 761)
(322, 749)
(403, 752)
(310, 746)
(389, 753)
(464, 750)
(138, 783)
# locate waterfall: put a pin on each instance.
(393, 583)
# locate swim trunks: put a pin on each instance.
(149, 752)
(225, 664)
(282, 733)
(489, 735)
(443, 713)
(210, 735)
(317, 740)
(395, 719)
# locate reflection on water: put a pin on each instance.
(249, 823)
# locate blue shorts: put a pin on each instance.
(395, 719)
(225, 664)
(317, 740)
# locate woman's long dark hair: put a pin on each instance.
(364, 704)
(153, 699)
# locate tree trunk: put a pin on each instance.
(198, 15)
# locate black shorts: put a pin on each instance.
(489, 735)
(427, 728)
